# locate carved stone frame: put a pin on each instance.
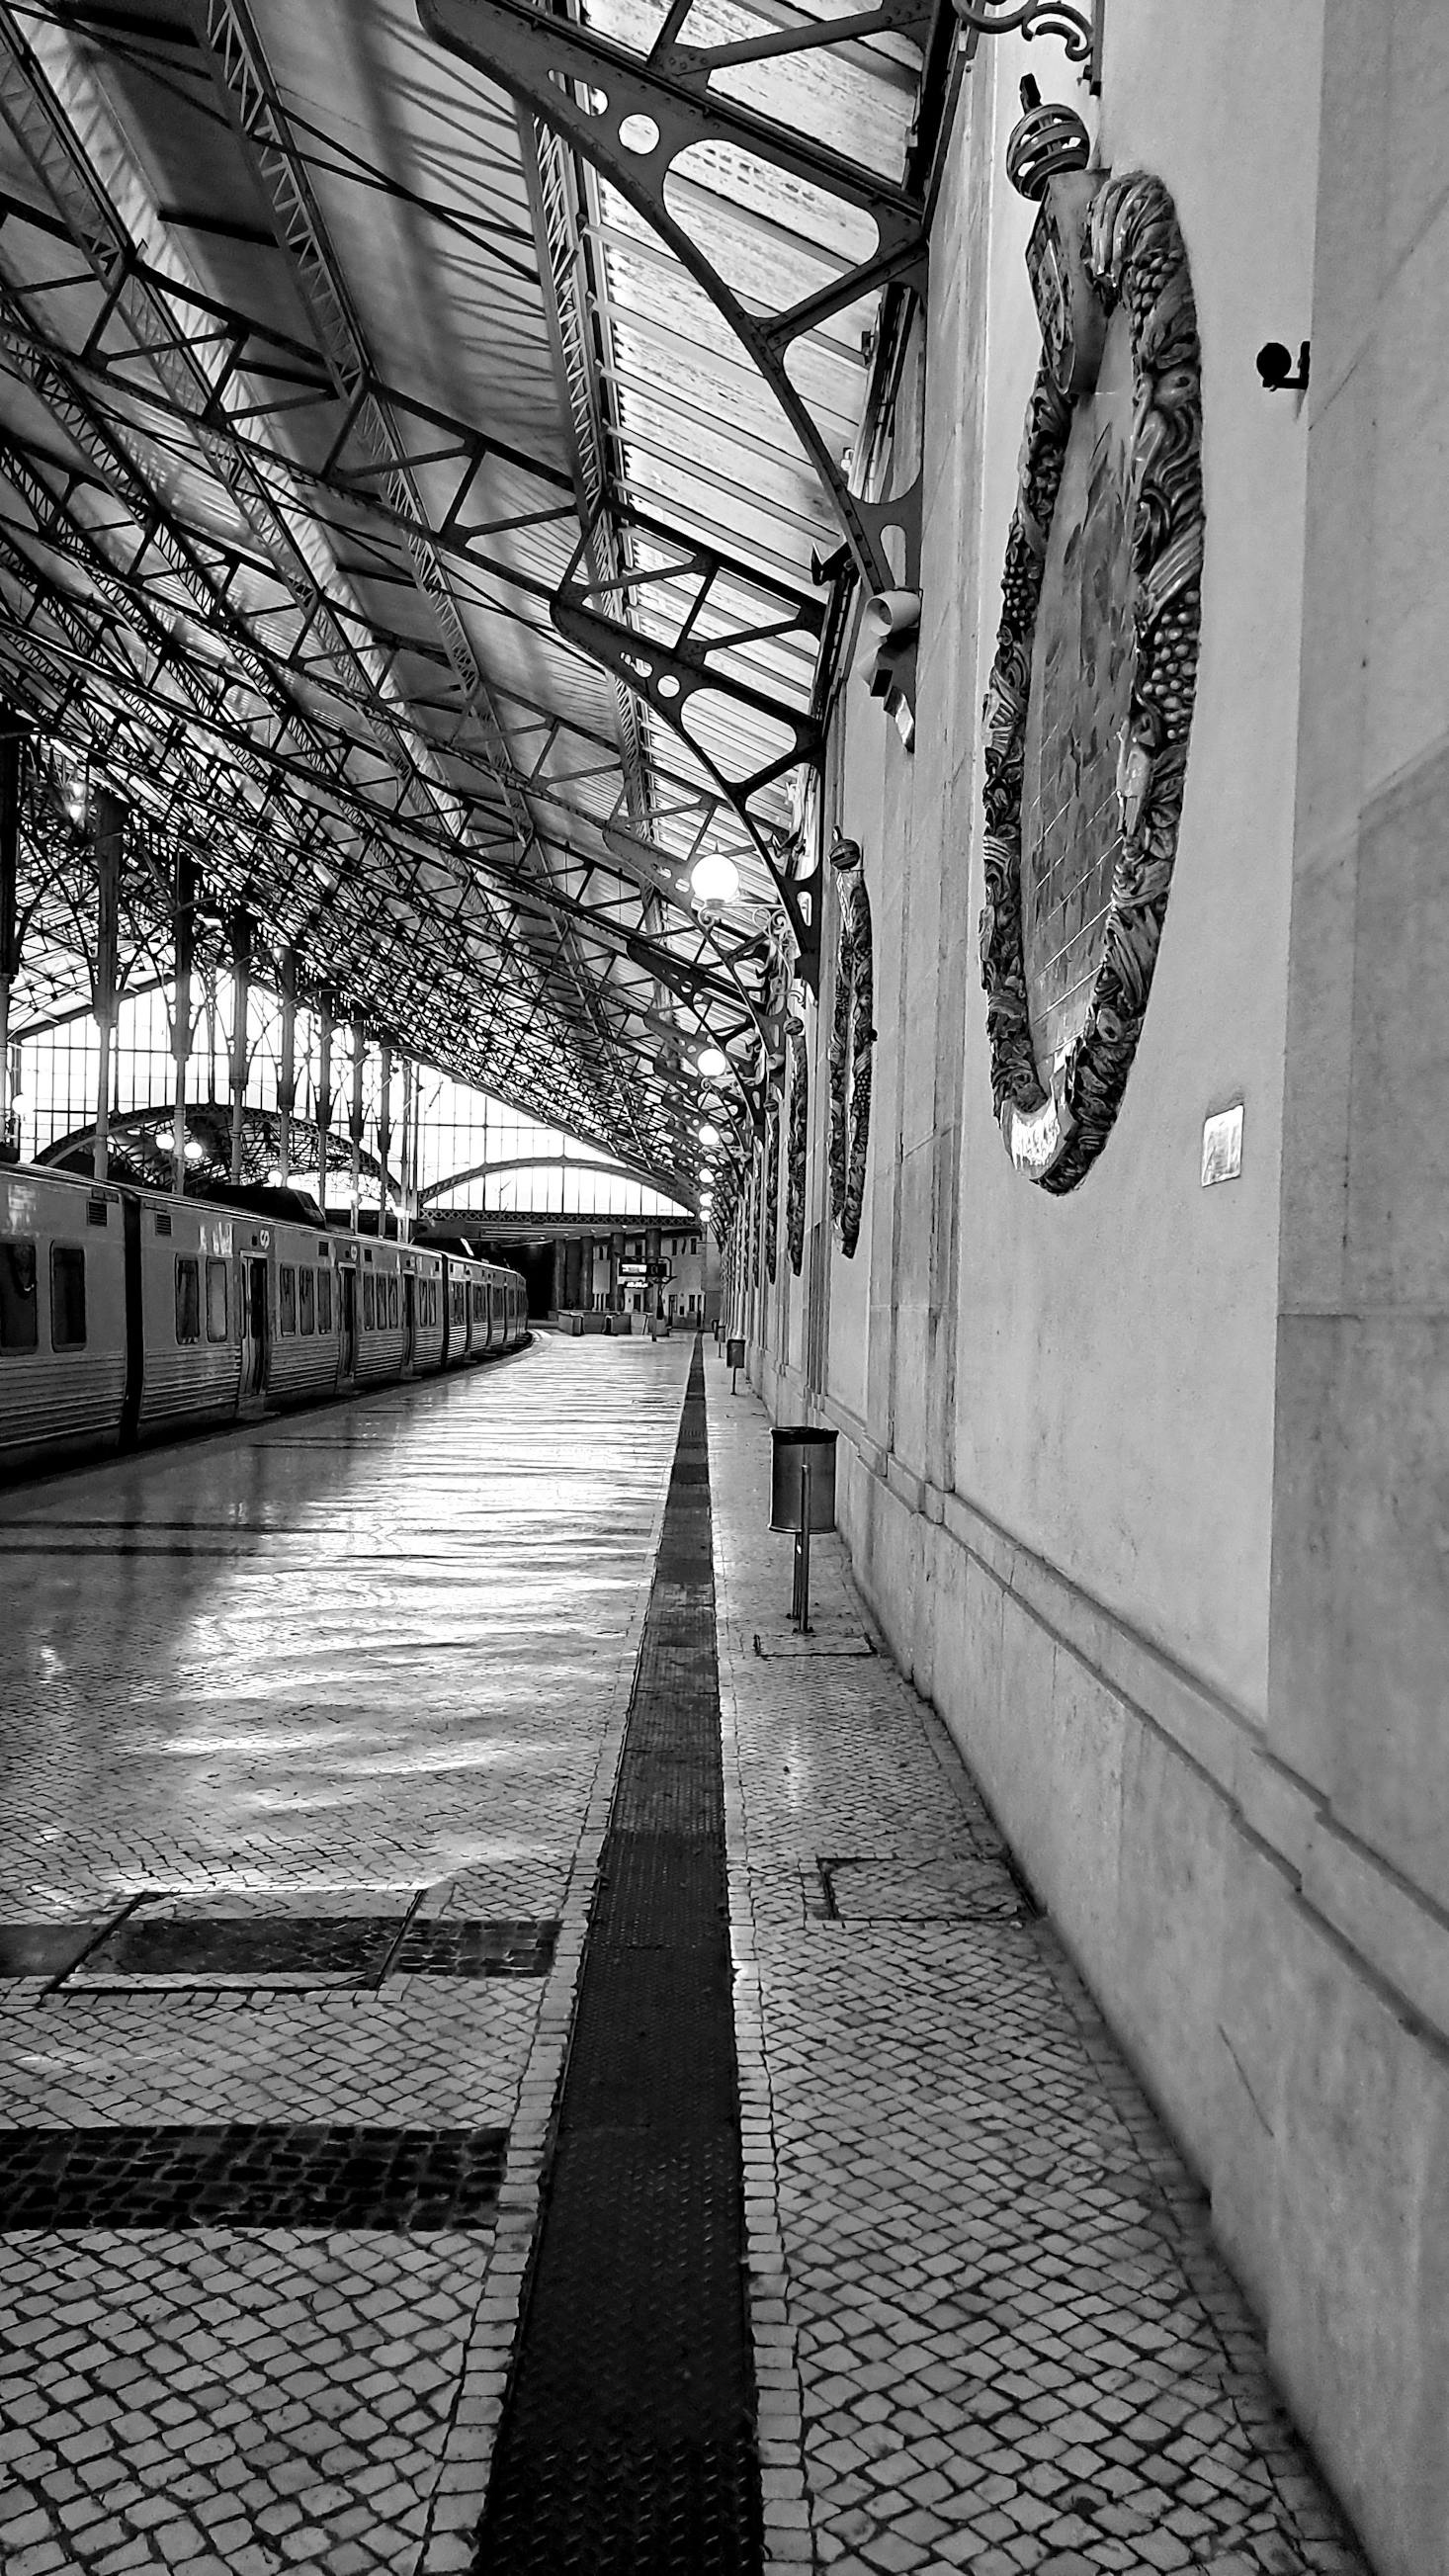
(1135, 257)
(773, 1116)
(796, 1148)
(851, 1039)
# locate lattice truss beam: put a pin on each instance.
(242, 583)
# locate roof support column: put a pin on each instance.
(324, 1095)
(384, 1134)
(354, 1119)
(287, 1074)
(110, 827)
(183, 949)
(405, 1151)
(241, 988)
(12, 753)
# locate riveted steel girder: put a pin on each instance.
(674, 671)
(606, 100)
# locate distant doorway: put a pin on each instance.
(535, 1260)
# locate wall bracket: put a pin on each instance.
(1080, 28)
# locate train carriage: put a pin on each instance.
(192, 1288)
(127, 1316)
(307, 1353)
(423, 1309)
(381, 1338)
(64, 1308)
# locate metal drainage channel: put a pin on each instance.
(627, 2441)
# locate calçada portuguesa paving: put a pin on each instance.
(313, 1734)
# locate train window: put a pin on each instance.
(369, 1304)
(67, 1297)
(392, 1305)
(19, 1304)
(324, 1301)
(478, 1304)
(287, 1298)
(307, 1300)
(188, 1300)
(216, 1326)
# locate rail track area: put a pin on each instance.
(512, 2059)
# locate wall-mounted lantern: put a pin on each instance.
(1047, 153)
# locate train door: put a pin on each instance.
(410, 1319)
(253, 1327)
(347, 1320)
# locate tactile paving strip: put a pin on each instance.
(627, 2443)
(242, 2174)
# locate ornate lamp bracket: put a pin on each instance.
(1081, 29)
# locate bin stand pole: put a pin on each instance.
(800, 1606)
(734, 1381)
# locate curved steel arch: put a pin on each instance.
(438, 1190)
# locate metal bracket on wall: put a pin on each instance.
(631, 115)
(669, 669)
(1081, 29)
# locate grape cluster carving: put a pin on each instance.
(1136, 258)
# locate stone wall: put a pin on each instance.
(1147, 1482)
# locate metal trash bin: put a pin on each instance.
(791, 1442)
(735, 1351)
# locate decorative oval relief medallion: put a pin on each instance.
(851, 1040)
(797, 1142)
(1090, 700)
(772, 1190)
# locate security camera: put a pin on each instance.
(1274, 363)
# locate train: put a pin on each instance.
(128, 1316)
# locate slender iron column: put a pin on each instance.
(241, 982)
(384, 1133)
(404, 1225)
(287, 1073)
(324, 1094)
(12, 754)
(354, 1116)
(183, 942)
(110, 826)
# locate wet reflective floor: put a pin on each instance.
(311, 1737)
(304, 1731)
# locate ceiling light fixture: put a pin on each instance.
(714, 878)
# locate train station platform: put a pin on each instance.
(513, 2058)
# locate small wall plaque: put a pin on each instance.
(1222, 1146)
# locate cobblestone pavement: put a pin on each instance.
(368, 1668)
(371, 1659)
(990, 2329)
